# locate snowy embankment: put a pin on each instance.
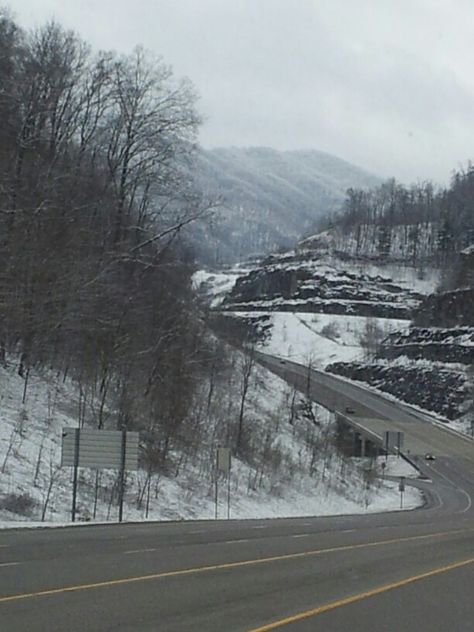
(318, 339)
(293, 468)
(35, 489)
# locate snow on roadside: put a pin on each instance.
(396, 466)
(30, 438)
(319, 338)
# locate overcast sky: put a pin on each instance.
(386, 84)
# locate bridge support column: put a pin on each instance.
(355, 443)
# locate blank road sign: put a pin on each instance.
(223, 459)
(394, 439)
(99, 449)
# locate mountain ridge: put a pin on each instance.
(270, 198)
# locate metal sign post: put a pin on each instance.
(400, 441)
(401, 489)
(394, 441)
(122, 472)
(76, 467)
(223, 463)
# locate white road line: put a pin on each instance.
(4, 546)
(469, 501)
(10, 564)
(260, 526)
(138, 551)
(348, 530)
(235, 541)
(440, 499)
(463, 491)
(302, 535)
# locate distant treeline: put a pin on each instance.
(93, 280)
(418, 223)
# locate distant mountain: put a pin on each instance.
(269, 198)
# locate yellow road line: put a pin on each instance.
(225, 566)
(354, 598)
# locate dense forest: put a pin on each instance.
(94, 280)
(419, 224)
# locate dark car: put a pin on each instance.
(430, 457)
(350, 410)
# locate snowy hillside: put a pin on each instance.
(269, 198)
(320, 283)
(406, 243)
(318, 339)
(354, 318)
(288, 464)
(34, 488)
(316, 306)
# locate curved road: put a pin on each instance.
(394, 571)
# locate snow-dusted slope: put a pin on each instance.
(317, 339)
(269, 197)
(30, 437)
(337, 312)
(282, 478)
(320, 283)
(410, 244)
(316, 306)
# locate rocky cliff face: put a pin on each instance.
(428, 367)
(307, 282)
(437, 345)
(441, 391)
(424, 366)
(447, 309)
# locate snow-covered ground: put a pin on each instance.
(30, 439)
(362, 245)
(217, 284)
(396, 466)
(405, 276)
(285, 485)
(318, 338)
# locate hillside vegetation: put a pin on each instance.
(94, 282)
(419, 225)
(268, 198)
(426, 229)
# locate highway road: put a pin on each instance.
(374, 411)
(394, 571)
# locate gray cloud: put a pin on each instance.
(384, 83)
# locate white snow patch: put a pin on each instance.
(216, 285)
(396, 466)
(319, 338)
(30, 438)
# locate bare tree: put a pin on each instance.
(246, 367)
(53, 474)
(371, 337)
